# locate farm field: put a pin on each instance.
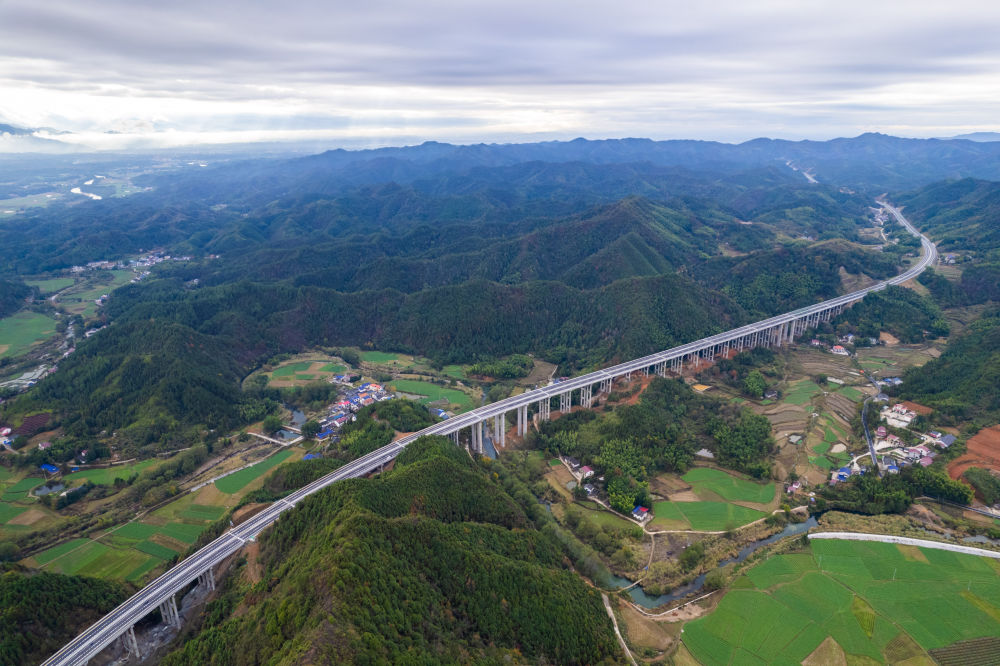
(22, 330)
(878, 602)
(728, 487)
(702, 516)
(107, 476)
(82, 301)
(379, 357)
(20, 489)
(801, 392)
(433, 392)
(51, 285)
(301, 371)
(236, 482)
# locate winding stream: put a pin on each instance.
(640, 597)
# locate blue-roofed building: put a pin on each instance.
(310, 456)
(947, 441)
(845, 470)
(51, 469)
(320, 436)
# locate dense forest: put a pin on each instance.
(432, 562)
(961, 385)
(582, 254)
(40, 612)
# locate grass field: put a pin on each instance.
(291, 369)
(20, 489)
(9, 511)
(454, 371)
(236, 482)
(108, 475)
(801, 392)
(433, 392)
(20, 331)
(729, 487)
(852, 393)
(334, 368)
(47, 556)
(51, 285)
(378, 357)
(702, 516)
(879, 602)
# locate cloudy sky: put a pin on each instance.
(120, 73)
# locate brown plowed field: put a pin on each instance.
(983, 450)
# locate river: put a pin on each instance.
(640, 597)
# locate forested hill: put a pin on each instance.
(959, 214)
(962, 384)
(433, 562)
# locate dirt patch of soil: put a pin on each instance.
(666, 484)
(829, 653)
(248, 511)
(684, 496)
(923, 514)
(888, 338)
(917, 407)
(838, 448)
(29, 517)
(645, 631)
(254, 569)
(983, 450)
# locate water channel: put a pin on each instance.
(640, 597)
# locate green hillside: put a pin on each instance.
(431, 563)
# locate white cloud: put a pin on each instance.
(381, 71)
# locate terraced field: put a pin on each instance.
(878, 602)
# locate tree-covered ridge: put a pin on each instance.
(961, 385)
(12, 295)
(897, 310)
(771, 282)
(39, 613)
(362, 573)
(958, 214)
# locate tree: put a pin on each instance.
(310, 429)
(754, 384)
(271, 424)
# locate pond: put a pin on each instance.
(640, 597)
(48, 490)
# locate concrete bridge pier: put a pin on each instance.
(605, 386)
(454, 437)
(522, 420)
(565, 402)
(168, 609)
(544, 409)
(586, 396)
(499, 430)
(130, 643)
(207, 578)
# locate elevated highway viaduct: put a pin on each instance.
(773, 332)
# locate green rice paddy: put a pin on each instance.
(801, 392)
(20, 331)
(729, 487)
(10, 511)
(378, 357)
(704, 516)
(51, 285)
(334, 369)
(107, 475)
(433, 392)
(236, 482)
(871, 598)
(287, 371)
